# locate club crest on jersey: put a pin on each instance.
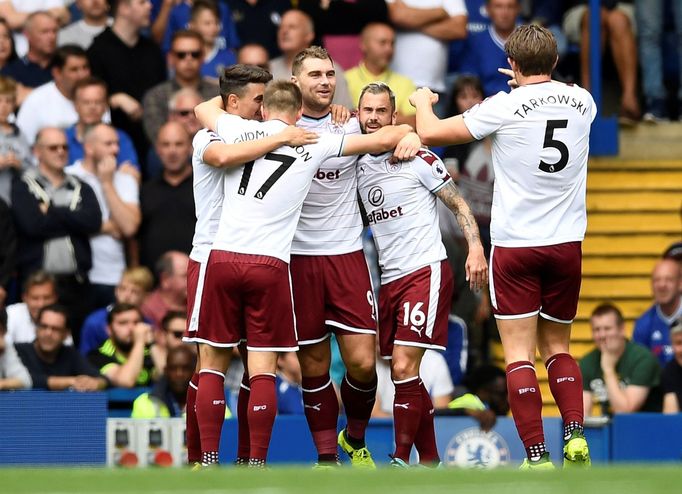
(438, 169)
(393, 167)
(375, 196)
(334, 128)
(473, 448)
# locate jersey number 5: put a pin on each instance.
(550, 142)
(286, 162)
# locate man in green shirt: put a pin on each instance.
(619, 375)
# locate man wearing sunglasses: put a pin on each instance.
(184, 61)
(55, 214)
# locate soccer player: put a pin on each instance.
(416, 281)
(241, 89)
(540, 137)
(246, 288)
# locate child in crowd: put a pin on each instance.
(15, 153)
(206, 21)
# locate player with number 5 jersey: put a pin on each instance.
(540, 145)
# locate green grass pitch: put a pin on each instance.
(600, 480)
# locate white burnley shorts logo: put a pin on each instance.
(473, 448)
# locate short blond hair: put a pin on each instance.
(139, 276)
(282, 97)
(8, 86)
(533, 48)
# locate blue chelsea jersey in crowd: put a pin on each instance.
(652, 330)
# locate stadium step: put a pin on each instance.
(646, 245)
(631, 308)
(633, 180)
(618, 266)
(615, 287)
(628, 223)
(635, 201)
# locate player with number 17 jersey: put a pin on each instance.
(262, 202)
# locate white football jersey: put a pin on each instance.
(208, 181)
(401, 207)
(330, 221)
(540, 144)
(262, 199)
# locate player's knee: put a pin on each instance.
(313, 363)
(363, 370)
(403, 368)
(214, 358)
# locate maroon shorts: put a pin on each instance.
(525, 281)
(332, 293)
(414, 309)
(246, 297)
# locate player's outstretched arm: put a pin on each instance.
(209, 111)
(385, 139)
(432, 130)
(476, 265)
(221, 155)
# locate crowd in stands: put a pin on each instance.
(96, 203)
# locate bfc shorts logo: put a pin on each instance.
(473, 448)
(375, 196)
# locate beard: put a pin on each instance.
(122, 346)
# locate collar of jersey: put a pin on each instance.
(315, 119)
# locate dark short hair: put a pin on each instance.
(187, 33)
(170, 315)
(608, 308)
(62, 54)
(90, 81)
(38, 278)
(235, 78)
(201, 5)
(533, 48)
(119, 308)
(57, 308)
(378, 88)
(310, 52)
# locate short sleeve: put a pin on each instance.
(127, 188)
(486, 117)
(430, 170)
(202, 140)
(455, 7)
(230, 127)
(331, 145)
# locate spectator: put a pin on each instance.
(32, 70)
(253, 54)
(652, 329)
(425, 28)
(471, 164)
(180, 109)
(134, 286)
(433, 371)
(674, 252)
(171, 293)
(297, 32)
(179, 19)
(125, 358)
(18, 12)
(206, 22)
(13, 374)
(51, 105)
(90, 101)
(617, 27)
(484, 398)
(167, 202)
(168, 398)
(52, 364)
(170, 334)
(484, 52)
(257, 21)
(130, 64)
(15, 153)
(7, 51)
(184, 60)
(82, 32)
(671, 379)
(345, 17)
(118, 197)
(619, 375)
(55, 214)
(378, 41)
(8, 248)
(40, 290)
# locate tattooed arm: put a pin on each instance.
(476, 266)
